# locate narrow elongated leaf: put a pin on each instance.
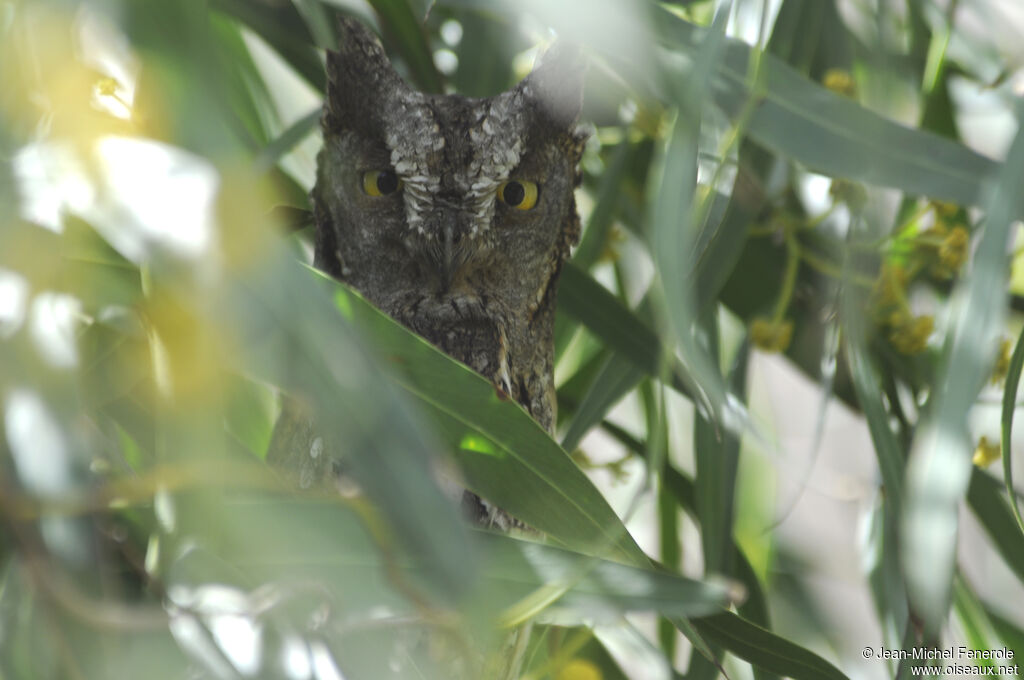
(1009, 408)
(832, 134)
(402, 29)
(617, 326)
(312, 353)
(765, 649)
(717, 458)
(281, 26)
(940, 461)
(617, 377)
(325, 541)
(504, 454)
(993, 511)
(287, 141)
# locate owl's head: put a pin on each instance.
(442, 196)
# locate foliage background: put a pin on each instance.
(153, 308)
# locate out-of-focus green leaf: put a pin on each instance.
(503, 453)
(985, 497)
(868, 388)
(978, 629)
(1010, 633)
(832, 134)
(281, 26)
(485, 53)
(671, 216)
(317, 541)
(617, 376)
(717, 459)
(1009, 408)
(598, 227)
(287, 141)
(403, 30)
(310, 351)
(618, 327)
(764, 649)
(940, 462)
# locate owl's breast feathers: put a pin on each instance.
(512, 350)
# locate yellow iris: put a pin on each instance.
(519, 194)
(380, 182)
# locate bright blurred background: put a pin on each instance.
(784, 350)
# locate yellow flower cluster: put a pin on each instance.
(770, 335)
(853, 194)
(891, 285)
(909, 334)
(580, 669)
(1002, 366)
(986, 453)
(840, 82)
(106, 86)
(945, 246)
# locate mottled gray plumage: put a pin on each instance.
(454, 216)
(443, 254)
(445, 247)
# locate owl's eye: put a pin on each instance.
(519, 194)
(380, 182)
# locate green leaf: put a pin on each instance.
(311, 352)
(403, 31)
(764, 649)
(324, 541)
(993, 511)
(609, 191)
(717, 460)
(940, 462)
(617, 377)
(504, 455)
(281, 26)
(1009, 409)
(287, 141)
(831, 134)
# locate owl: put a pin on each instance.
(454, 215)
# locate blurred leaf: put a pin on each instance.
(972, 616)
(940, 462)
(310, 351)
(764, 649)
(616, 377)
(609, 191)
(403, 31)
(485, 52)
(717, 461)
(281, 26)
(670, 211)
(614, 324)
(833, 135)
(985, 497)
(504, 455)
(287, 141)
(325, 542)
(1009, 409)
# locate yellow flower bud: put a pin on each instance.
(106, 86)
(953, 251)
(580, 669)
(840, 82)
(771, 336)
(911, 337)
(986, 453)
(1002, 366)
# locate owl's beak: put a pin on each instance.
(449, 259)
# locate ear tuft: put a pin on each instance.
(360, 79)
